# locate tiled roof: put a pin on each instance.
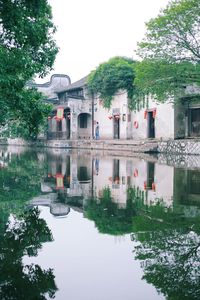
(76, 85)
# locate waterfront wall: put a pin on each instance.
(180, 147)
(128, 147)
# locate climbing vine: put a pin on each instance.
(109, 77)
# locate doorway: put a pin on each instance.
(195, 122)
(151, 125)
(116, 130)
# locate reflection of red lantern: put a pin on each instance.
(59, 181)
(116, 180)
(154, 113)
(117, 117)
(135, 174)
(145, 185)
(110, 117)
(135, 124)
(145, 114)
(153, 186)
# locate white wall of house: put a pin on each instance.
(164, 121)
(136, 125)
(101, 115)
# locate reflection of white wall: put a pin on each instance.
(133, 173)
(164, 181)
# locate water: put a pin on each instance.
(77, 225)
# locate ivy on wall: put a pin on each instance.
(110, 77)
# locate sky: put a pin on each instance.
(90, 32)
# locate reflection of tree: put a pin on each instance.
(108, 217)
(19, 181)
(169, 249)
(24, 236)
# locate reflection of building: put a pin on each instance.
(69, 175)
(56, 208)
(153, 180)
(72, 179)
(187, 186)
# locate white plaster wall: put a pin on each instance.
(101, 115)
(164, 121)
(56, 84)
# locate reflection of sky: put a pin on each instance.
(89, 265)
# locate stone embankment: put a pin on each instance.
(181, 147)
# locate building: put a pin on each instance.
(76, 114)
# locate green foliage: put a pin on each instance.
(118, 73)
(174, 34)
(29, 117)
(27, 49)
(170, 51)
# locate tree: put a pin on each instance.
(170, 50)
(27, 49)
(109, 77)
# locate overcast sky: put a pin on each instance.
(90, 32)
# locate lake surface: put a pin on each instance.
(77, 225)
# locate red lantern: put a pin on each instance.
(110, 117)
(60, 112)
(154, 113)
(135, 124)
(145, 114)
